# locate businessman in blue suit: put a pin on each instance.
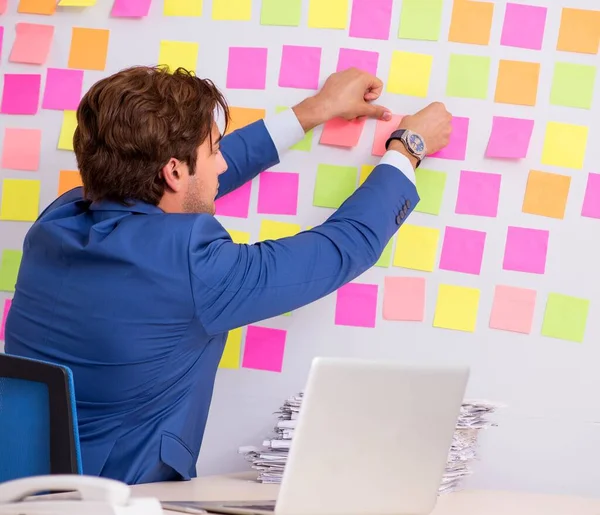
(133, 283)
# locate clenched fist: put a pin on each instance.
(433, 124)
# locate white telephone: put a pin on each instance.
(97, 496)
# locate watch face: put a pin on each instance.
(416, 144)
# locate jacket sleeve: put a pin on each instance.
(234, 285)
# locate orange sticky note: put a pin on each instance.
(471, 22)
(67, 180)
(579, 31)
(242, 116)
(546, 194)
(88, 49)
(37, 7)
(517, 83)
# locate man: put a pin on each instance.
(133, 283)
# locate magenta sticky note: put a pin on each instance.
(523, 26)
(63, 89)
(364, 60)
(247, 68)
(21, 149)
(371, 19)
(342, 133)
(7, 304)
(278, 193)
(21, 94)
(462, 250)
(478, 194)
(300, 67)
(591, 201)
(526, 250)
(510, 137)
(235, 203)
(383, 130)
(356, 305)
(1, 40)
(131, 8)
(404, 299)
(513, 309)
(32, 43)
(457, 148)
(264, 348)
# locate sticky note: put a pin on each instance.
(328, 14)
(21, 149)
(334, 184)
(233, 349)
(32, 43)
(573, 85)
(9, 269)
(264, 348)
(456, 308)
(517, 82)
(68, 180)
(300, 67)
(513, 309)
(457, 148)
(342, 133)
(183, 8)
(7, 304)
(365, 171)
(383, 130)
(416, 247)
(364, 60)
(478, 194)
(430, 186)
(131, 8)
(526, 250)
(89, 48)
(3, 6)
(1, 36)
(46, 7)
(524, 26)
(546, 194)
(579, 31)
(20, 200)
(371, 19)
(421, 19)
(236, 203)
(591, 201)
(565, 145)
(510, 137)
(462, 250)
(356, 305)
(385, 260)
(63, 89)
(178, 54)
(278, 193)
(404, 299)
(468, 76)
(565, 317)
(238, 10)
(285, 13)
(274, 230)
(67, 130)
(241, 116)
(305, 144)
(21, 93)
(239, 237)
(247, 68)
(415, 83)
(76, 3)
(471, 22)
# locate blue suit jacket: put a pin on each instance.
(138, 303)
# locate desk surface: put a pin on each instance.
(240, 487)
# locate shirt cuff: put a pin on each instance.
(285, 129)
(396, 159)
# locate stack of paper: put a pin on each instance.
(270, 459)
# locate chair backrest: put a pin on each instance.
(38, 419)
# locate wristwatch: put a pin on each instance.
(414, 143)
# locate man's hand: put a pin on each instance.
(433, 124)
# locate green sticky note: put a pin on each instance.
(430, 186)
(385, 260)
(565, 317)
(421, 19)
(281, 12)
(9, 269)
(288, 314)
(334, 185)
(468, 76)
(573, 85)
(305, 145)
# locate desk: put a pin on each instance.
(240, 487)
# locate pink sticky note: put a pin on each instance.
(63, 89)
(278, 193)
(7, 304)
(526, 250)
(300, 67)
(235, 203)
(342, 133)
(21, 150)
(247, 68)
(404, 299)
(3, 6)
(371, 19)
(264, 348)
(383, 130)
(462, 250)
(457, 148)
(21, 93)
(1, 40)
(591, 202)
(356, 305)
(362, 59)
(478, 194)
(513, 309)
(524, 26)
(510, 138)
(32, 43)
(131, 8)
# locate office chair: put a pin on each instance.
(38, 419)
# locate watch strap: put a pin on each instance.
(397, 135)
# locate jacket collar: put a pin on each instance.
(132, 207)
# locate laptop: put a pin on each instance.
(372, 438)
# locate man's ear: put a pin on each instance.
(172, 175)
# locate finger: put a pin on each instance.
(376, 111)
(374, 89)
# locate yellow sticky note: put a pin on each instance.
(565, 145)
(178, 54)
(233, 348)
(456, 308)
(272, 230)
(182, 8)
(69, 124)
(328, 14)
(239, 236)
(76, 3)
(416, 247)
(240, 10)
(20, 200)
(365, 171)
(410, 73)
